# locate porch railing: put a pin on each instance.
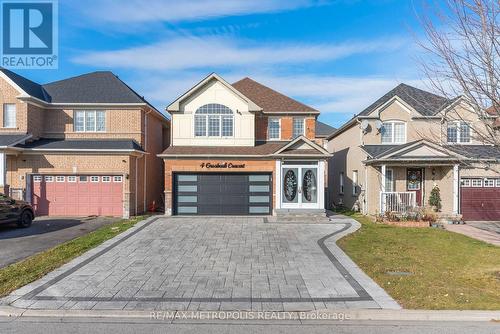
(400, 202)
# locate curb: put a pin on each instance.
(328, 315)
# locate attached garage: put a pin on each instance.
(480, 199)
(222, 194)
(77, 195)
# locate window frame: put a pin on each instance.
(37, 178)
(71, 179)
(303, 121)
(392, 187)
(104, 178)
(118, 177)
(48, 178)
(489, 183)
(393, 132)
(60, 179)
(355, 182)
(465, 183)
(94, 179)
(207, 116)
(341, 183)
(476, 186)
(86, 112)
(458, 128)
(279, 128)
(5, 108)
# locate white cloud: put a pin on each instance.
(337, 95)
(204, 52)
(140, 11)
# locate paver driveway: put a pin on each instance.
(212, 264)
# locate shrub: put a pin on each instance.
(435, 198)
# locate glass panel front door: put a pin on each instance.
(290, 185)
(309, 185)
(299, 187)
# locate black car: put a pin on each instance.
(15, 211)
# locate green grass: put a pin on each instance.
(32, 268)
(448, 270)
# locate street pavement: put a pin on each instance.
(45, 232)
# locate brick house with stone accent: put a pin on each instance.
(390, 156)
(82, 146)
(242, 149)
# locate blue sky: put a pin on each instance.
(337, 56)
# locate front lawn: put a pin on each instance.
(447, 270)
(26, 271)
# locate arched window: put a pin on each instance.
(213, 120)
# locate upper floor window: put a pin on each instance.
(214, 120)
(9, 115)
(273, 129)
(393, 132)
(298, 127)
(458, 132)
(90, 121)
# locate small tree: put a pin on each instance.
(435, 198)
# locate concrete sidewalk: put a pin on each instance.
(265, 317)
(476, 233)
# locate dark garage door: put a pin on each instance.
(480, 199)
(222, 194)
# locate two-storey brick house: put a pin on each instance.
(390, 156)
(86, 145)
(242, 149)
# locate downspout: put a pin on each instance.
(145, 160)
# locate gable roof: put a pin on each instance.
(95, 87)
(29, 87)
(425, 103)
(100, 87)
(12, 138)
(270, 100)
(323, 130)
(175, 106)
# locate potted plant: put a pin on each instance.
(435, 198)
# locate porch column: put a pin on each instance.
(455, 189)
(382, 187)
(277, 185)
(3, 173)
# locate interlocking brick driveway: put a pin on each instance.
(212, 264)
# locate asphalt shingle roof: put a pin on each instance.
(82, 144)
(323, 129)
(377, 150)
(476, 151)
(427, 104)
(7, 139)
(260, 148)
(95, 87)
(269, 99)
(32, 88)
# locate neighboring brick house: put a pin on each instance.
(391, 155)
(86, 145)
(242, 149)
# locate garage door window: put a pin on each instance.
(498, 182)
(477, 183)
(49, 179)
(465, 183)
(117, 179)
(106, 179)
(60, 178)
(94, 179)
(37, 178)
(72, 179)
(83, 179)
(489, 183)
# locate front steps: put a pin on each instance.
(299, 216)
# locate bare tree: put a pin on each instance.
(462, 58)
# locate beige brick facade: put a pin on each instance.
(143, 181)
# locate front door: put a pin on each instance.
(299, 187)
(414, 183)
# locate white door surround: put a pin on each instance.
(300, 184)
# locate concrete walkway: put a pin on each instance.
(476, 233)
(212, 264)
